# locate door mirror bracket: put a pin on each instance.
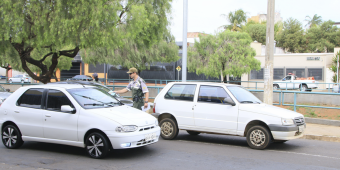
(67, 108)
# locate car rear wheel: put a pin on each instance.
(11, 137)
(97, 145)
(193, 132)
(303, 87)
(10, 81)
(258, 137)
(275, 87)
(169, 129)
(22, 81)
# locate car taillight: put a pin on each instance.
(26, 78)
(154, 107)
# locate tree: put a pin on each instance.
(334, 67)
(257, 32)
(236, 19)
(226, 53)
(292, 37)
(323, 38)
(312, 22)
(47, 34)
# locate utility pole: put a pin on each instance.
(268, 68)
(337, 71)
(184, 45)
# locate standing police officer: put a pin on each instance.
(138, 88)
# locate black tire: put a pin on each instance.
(303, 87)
(258, 137)
(280, 141)
(193, 132)
(169, 129)
(11, 137)
(97, 145)
(275, 87)
(10, 81)
(22, 81)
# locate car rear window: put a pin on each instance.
(31, 98)
(181, 92)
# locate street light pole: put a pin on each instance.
(184, 45)
(268, 68)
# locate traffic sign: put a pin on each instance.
(178, 68)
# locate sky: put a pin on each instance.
(205, 15)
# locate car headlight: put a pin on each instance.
(127, 128)
(156, 122)
(287, 121)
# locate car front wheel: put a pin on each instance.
(11, 137)
(97, 145)
(169, 129)
(258, 137)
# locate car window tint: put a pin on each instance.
(31, 98)
(212, 94)
(181, 92)
(55, 99)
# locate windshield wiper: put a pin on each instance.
(94, 104)
(250, 102)
(112, 103)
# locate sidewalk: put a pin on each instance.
(322, 132)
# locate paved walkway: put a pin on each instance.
(322, 132)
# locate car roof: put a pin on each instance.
(64, 86)
(204, 83)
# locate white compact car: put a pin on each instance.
(74, 115)
(224, 109)
(21, 78)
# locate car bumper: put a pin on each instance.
(280, 132)
(134, 139)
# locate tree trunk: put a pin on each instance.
(222, 77)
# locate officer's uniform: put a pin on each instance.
(138, 89)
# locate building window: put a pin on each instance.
(256, 74)
(299, 72)
(315, 72)
(278, 73)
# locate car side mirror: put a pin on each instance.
(67, 108)
(229, 101)
(8, 90)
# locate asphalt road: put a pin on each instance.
(186, 152)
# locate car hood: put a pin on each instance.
(4, 95)
(125, 101)
(269, 110)
(126, 115)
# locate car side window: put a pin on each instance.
(288, 78)
(212, 94)
(181, 92)
(55, 99)
(31, 98)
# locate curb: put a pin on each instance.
(322, 121)
(321, 137)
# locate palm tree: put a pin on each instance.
(316, 20)
(236, 19)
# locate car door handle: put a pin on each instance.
(48, 115)
(16, 111)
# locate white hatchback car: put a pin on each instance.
(21, 78)
(74, 115)
(224, 109)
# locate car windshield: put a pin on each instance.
(107, 90)
(243, 95)
(90, 98)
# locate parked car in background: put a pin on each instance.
(81, 78)
(90, 118)
(292, 82)
(4, 93)
(2, 77)
(228, 109)
(100, 86)
(20, 78)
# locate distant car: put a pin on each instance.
(4, 93)
(100, 86)
(81, 78)
(76, 115)
(2, 77)
(20, 78)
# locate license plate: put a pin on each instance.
(301, 128)
(150, 136)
